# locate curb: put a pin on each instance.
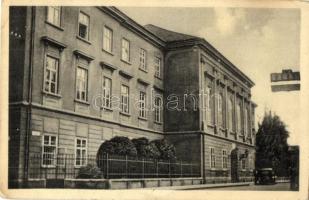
(202, 186)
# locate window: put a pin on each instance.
(212, 158)
(125, 52)
(252, 117)
(231, 114)
(49, 151)
(158, 67)
(142, 59)
(249, 122)
(246, 121)
(142, 104)
(251, 163)
(220, 110)
(224, 159)
(54, 15)
(124, 99)
(82, 84)
(107, 88)
(238, 113)
(158, 109)
(209, 110)
(107, 39)
(243, 163)
(81, 152)
(51, 75)
(83, 26)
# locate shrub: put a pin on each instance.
(167, 150)
(115, 146)
(118, 146)
(89, 172)
(146, 149)
(152, 151)
(140, 144)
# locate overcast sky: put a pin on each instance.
(258, 41)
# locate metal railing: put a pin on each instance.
(112, 166)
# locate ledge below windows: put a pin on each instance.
(217, 169)
(81, 106)
(107, 109)
(52, 100)
(127, 62)
(158, 123)
(108, 52)
(142, 118)
(52, 94)
(84, 40)
(55, 26)
(232, 132)
(125, 114)
(210, 125)
(157, 77)
(143, 70)
(82, 102)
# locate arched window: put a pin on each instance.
(209, 105)
(220, 110)
(238, 114)
(231, 114)
(246, 121)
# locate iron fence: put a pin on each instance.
(112, 166)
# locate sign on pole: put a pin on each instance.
(285, 81)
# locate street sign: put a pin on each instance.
(286, 75)
(285, 81)
(287, 87)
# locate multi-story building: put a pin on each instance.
(82, 75)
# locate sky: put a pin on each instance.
(259, 41)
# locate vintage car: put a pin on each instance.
(265, 176)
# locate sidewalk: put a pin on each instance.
(202, 186)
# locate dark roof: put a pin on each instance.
(167, 35)
(171, 37)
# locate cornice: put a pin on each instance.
(84, 55)
(129, 23)
(203, 44)
(143, 82)
(50, 41)
(108, 66)
(125, 74)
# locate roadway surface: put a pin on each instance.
(276, 187)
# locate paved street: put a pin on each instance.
(276, 187)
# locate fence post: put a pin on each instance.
(191, 168)
(157, 167)
(56, 169)
(73, 162)
(45, 172)
(107, 167)
(126, 167)
(180, 168)
(65, 166)
(143, 172)
(169, 168)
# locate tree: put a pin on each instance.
(271, 144)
